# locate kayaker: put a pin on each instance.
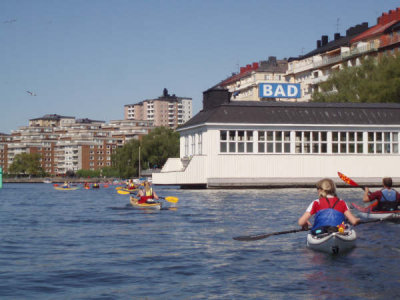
(147, 194)
(388, 198)
(329, 210)
(130, 185)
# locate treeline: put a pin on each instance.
(155, 148)
(374, 80)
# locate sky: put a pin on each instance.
(89, 58)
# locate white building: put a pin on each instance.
(232, 143)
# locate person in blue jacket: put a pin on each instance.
(329, 210)
(388, 198)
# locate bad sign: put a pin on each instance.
(279, 90)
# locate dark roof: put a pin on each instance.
(337, 42)
(254, 112)
(52, 117)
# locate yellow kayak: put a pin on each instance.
(134, 202)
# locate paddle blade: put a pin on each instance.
(347, 180)
(171, 199)
(118, 188)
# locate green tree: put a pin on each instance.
(27, 164)
(155, 148)
(375, 80)
(159, 145)
(126, 159)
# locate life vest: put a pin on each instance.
(388, 200)
(148, 195)
(328, 216)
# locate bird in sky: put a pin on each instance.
(10, 21)
(30, 93)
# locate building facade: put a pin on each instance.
(306, 72)
(244, 86)
(166, 110)
(68, 144)
(257, 143)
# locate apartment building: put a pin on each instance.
(297, 78)
(244, 86)
(69, 144)
(166, 110)
(360, 41)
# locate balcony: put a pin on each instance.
(388, 40)
(359, 51)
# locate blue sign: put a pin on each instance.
(279, 90)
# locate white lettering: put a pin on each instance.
(292, 90)
(267, 90)
(279, 91)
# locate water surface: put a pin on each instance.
(90, 244)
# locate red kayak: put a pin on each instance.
(368, 212)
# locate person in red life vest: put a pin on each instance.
(329, 210)
(147, 194)
(388, 198)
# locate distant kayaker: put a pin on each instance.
(130, 185)
(329, 210)
(388, 198)
(147, 194)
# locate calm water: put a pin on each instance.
(89, 244)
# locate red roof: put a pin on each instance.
(373, 31)
(384, 22)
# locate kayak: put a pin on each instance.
(368, 213)
(134, 202)
(60, 188)
(128, 190)
(332, 243)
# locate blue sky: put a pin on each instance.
(88, 58)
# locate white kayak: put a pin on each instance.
(332, 243)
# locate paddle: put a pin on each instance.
(126, 192)
(170, 199)
(266, 235)
(349, 181)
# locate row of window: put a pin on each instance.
(319, 142)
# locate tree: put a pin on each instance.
(126, 160)
(159, 145)
(155, 149)
(27, 164)
(375, 80)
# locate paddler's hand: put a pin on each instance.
(306, 226)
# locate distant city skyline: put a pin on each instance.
(88, 59)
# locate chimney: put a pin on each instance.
(324, 39)
(272, 60)
(318, 44)
(337, 36)
(215, 97)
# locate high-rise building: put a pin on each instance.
(166, 110)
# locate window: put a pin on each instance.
(200, 143)
(311, 142)
(274, 141)
(236, 141)
(383, 142)
(347, 142)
